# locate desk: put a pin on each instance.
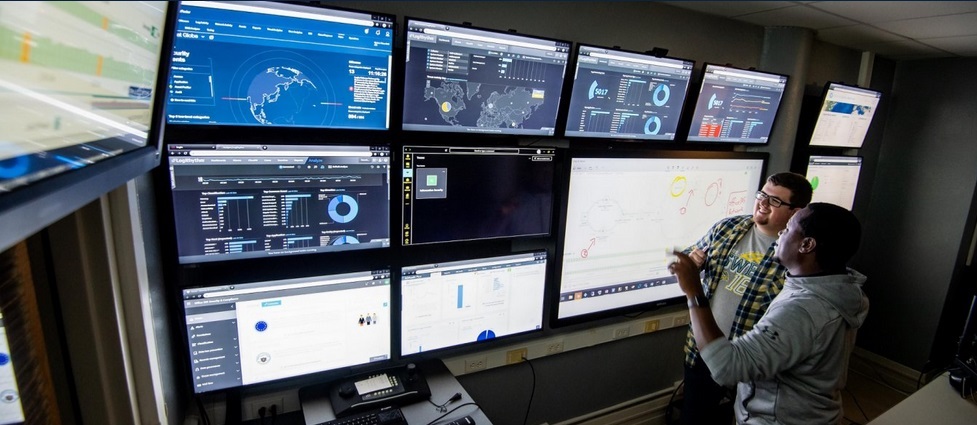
(316, 406)
(936, 403)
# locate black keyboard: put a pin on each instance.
(389, 416)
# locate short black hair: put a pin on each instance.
(800, 189)
(836, 231)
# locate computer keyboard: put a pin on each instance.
(389, 416)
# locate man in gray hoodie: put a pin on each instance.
(791, 367)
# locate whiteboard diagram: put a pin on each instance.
(625, 214)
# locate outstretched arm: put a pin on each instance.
(704, 326)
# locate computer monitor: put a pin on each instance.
(250, 333)
(624, 215)
(736, 105)
(626, 95)
(834, 178)
(277, 64)
(845, 115)
(459, 193)
(471, 301)
(80, 86)
(245, 201)
(460, 78)
(11, 410)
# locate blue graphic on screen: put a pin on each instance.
(626, 95)
(247, 68)
(736, 106)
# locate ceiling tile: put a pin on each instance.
(730, 8)
(940, 26)
(963, 46)
(874, 12)
(797, 16)
(905, 48)
(856, 36)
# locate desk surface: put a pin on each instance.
(936, 403)
(316, 406)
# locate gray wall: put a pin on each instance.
(916, 224)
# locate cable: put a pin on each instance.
(443, 407)
(203, 411)
(470, 403)
(857, 404)
(532, 394)
(671, 402)
(274, 413)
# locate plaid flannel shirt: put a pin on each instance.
(764, 285)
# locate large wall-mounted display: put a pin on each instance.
(80, 97)
(455, 303)
(626, 95)
(257, 332)
(461, 193)
(845, 115)
(237, 201)
(736, 105)
(464, 79)
(625, 214)
(280, 65)
(834, 178)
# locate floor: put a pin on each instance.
(868, 396)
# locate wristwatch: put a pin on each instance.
(698, 301)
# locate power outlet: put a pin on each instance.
(621, 333)
(475, 364)
(266, 402)
(554, 347)
(681, 320)
(516, 356)
(652, 325)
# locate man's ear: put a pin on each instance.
(807, 245)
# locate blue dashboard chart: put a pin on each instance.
(736, 106)
(467, 81)
(627, 95)
(279, 66)
(253, 203)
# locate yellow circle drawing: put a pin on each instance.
(445, 106)
(678, 186)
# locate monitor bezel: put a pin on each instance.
(824, 98)
(448, 131)
(573, 69)
(861, 166)
(188, 132)
(474, 254)
(554, 297)
(296, 380)
(29, 208)
(694, 106)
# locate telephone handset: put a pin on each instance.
(394, 386)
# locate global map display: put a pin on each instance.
(284, 96)
(498, 106)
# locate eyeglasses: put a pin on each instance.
(772, 200)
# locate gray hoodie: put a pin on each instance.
(791, 367)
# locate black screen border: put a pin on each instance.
(571, 80)
(690, 122)
(401, 65)
(557, 264)
(824, 98)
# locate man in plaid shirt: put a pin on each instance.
(740, 279)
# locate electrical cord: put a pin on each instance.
(443, 407)
(203, 411)
(671, 402)
(532, 394)
(470, 403)
(857, 404)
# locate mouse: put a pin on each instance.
(346, 390)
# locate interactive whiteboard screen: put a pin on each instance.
(834, 178)
(624, 216)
